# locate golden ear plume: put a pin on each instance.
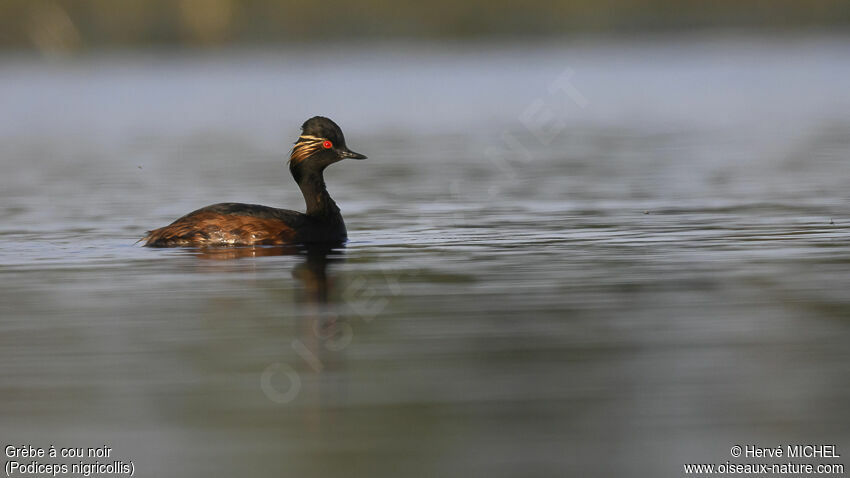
(304, 147)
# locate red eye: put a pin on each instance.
(327, 145)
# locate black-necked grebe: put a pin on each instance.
(234, 224)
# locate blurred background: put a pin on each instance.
(592, 238)
(75, 26)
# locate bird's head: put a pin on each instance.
(321, 144)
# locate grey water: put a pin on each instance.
(590, 258)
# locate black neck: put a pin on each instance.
(319, 202)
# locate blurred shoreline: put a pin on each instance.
(72, 27)
(730, 39)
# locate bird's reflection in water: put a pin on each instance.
(323, 333)
(231, 253)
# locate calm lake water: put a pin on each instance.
(588, 258)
